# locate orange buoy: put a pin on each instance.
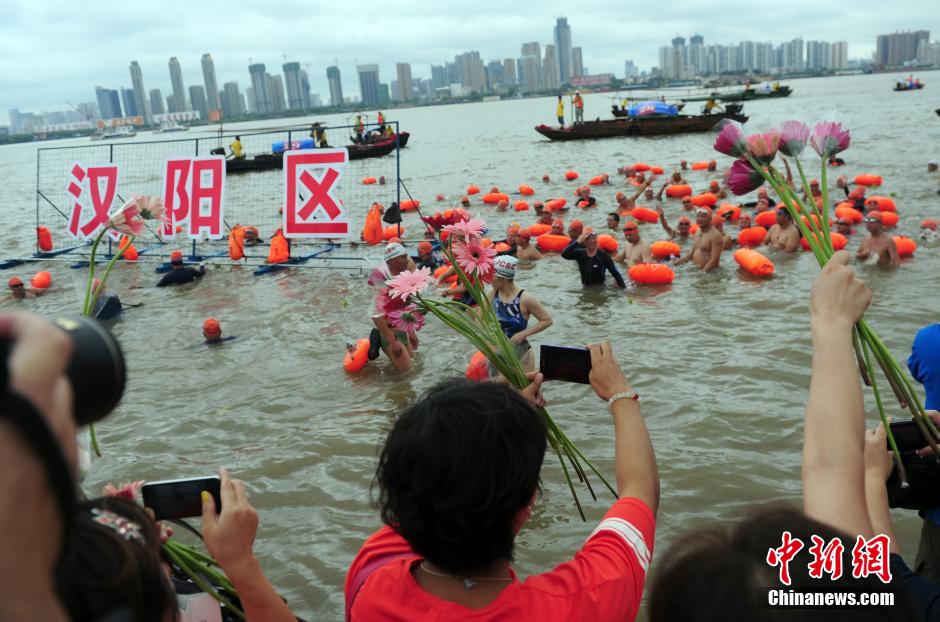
(478, 369)
(766, 219)
(677, 191)
(838, 241)
(885, 204)
(814, 226)
(471, 189)
(849, 213)
(502, 247)
(645, 214)
(41, 280)
(393, 231)
(236, 243)
(664, 249)
(651, 274)
(526, 191)
(439, 197)
(357, 355)
(571, 175)
(372, 230)
(520, 205)
(44, 239)
(753, 262)
(130, 252)
(555, 204)
(905, 245)
(539, 229)
(553, 243)
(867, 179)
(597, 180)
(368, 181)
(409, 205)
(441, 270)
(607, 243)
(492, 198)
(700, 166)
(641, 167)
(704, 199)
(729, 211)
(752, 236)
(280, 250)
(657, 170)
(889, 219)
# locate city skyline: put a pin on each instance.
(57, 69)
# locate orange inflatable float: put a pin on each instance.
(130, 252)
(677, 191)
(651, 274)
(526, 191)
(553, 243)
(752, 236)
(729, 211)
(867, 179)
(478, 369)
(706, 198)
(838, 241)
(597, 180)
(753, 262)
(372, 230)
(555, 204)
(657, 170)
(889, 219)
(439, 197)
(357, 355)
(607, 243)
(665, 249)
(641, 167)
(885, 204)
(700, 166)
(766, 219)
(441, 270)
(44, 239)
(471, 189)
(645, 214)
(906, 246)
(280, 250)
(392, 231)
(492, 198)
(409, 205)
(539, 229)
(520, 205)
(571, 175)
(849, 213)
(41, 280)
(368, 181)
(236, 243)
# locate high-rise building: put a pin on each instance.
(179, 91)
(129, 99)
(550, 74)
(840, 55)
(394, 92)
(818, 55)
(156, 102)
(405, 87)
(336, 85)
(531, 62)
(197, 98)
(232, 101)
(212, 86)
(140, 94)
(471, 70)
(251, 104)
(577, 64)
(562, 48)
(109, 103)
(276, 101)
(630, 70)
(494, 75)
(369, 84)
(384, 96)
(696, 56)
(898, 48)
(438, 77)
(509, 72)
(260, 101)
(298, 89)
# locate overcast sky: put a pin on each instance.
(52, 50)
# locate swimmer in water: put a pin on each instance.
(843, 226)
(19, 291)
(585, 195)
(764, 201)
(783, 235)
(879, 243)
(398, 346)
(526, 250)
(212, 331)
(677, 179)
(575, 229)
(625, 203)
(592, 264)
(180, 274)
(682, 229)
(635, 250)
(708, 243)
(545, 218)
(426, 257)
(928, 230)
(744, 221)
(718, 222)
(613, 221)
(558, 227)
(513, 307)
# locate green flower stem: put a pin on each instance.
(107, 273)
(199, 580)
(94, 439)
(91, 272)
(824, 176)
(859, 357)
(884, 418)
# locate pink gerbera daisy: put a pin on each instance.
(467, 228)
(409, 283)
(407, 320)
(473, 257)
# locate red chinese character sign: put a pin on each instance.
(311, 207)
(193, 192)
(91, 190)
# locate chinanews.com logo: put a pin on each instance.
(870, 557)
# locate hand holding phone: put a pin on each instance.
(606, 377)
(565, 363)
(180, 498)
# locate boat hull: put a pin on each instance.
(649, 126)
(741, 96)
(273, 161)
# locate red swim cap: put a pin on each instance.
(424, 247)
(211, 327)
(176, 256)
(15, 282)
(929, 224)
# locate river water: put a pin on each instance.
(722, 362)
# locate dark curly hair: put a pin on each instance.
(456, 469)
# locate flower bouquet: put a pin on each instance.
(406, 302)
(753, 167)
(128, 220)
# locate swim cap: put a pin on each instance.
(875, 214)
(505, 266)
(684, 220)
(576, 224)
(713, 184)
(394, 250)
(590, 232)
(929, 224)
(718, 220)
(424, 247)
(176, 257)
(619, 196)
(631, 225)
(559, 222)
(15, 282)
(211, 327)
(703, 209)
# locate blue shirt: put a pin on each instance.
(924, 363)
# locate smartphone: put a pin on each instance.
(180, 498)
(565, 363)
(907, 435)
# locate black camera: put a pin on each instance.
(96, 369)
(923, 472)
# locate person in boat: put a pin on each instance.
(783, 235)
(593, 264)
(381, 122)
(711, 105)
(635, 250)
(180, 274)
(359, 128)
(319, 136)
(238, 152)
(560, 112)
(708, 243)
(525, 249)
(879, 243)
(578, 104)
(776, 86)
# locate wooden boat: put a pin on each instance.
(740, 96)
(642, 126)
(916, 87)
(619, 111)
(271, 161)
(402, 139)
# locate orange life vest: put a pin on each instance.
(130, 253)
(280, 251)
(236, 243)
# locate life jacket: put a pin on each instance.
(372, 232)
(130, 253)
(381, 119)
(44, 237)
(578, 102)
(236, 243)
(280, 251)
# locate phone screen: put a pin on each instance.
(907, 435)
(180, 498)
(565, 363)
